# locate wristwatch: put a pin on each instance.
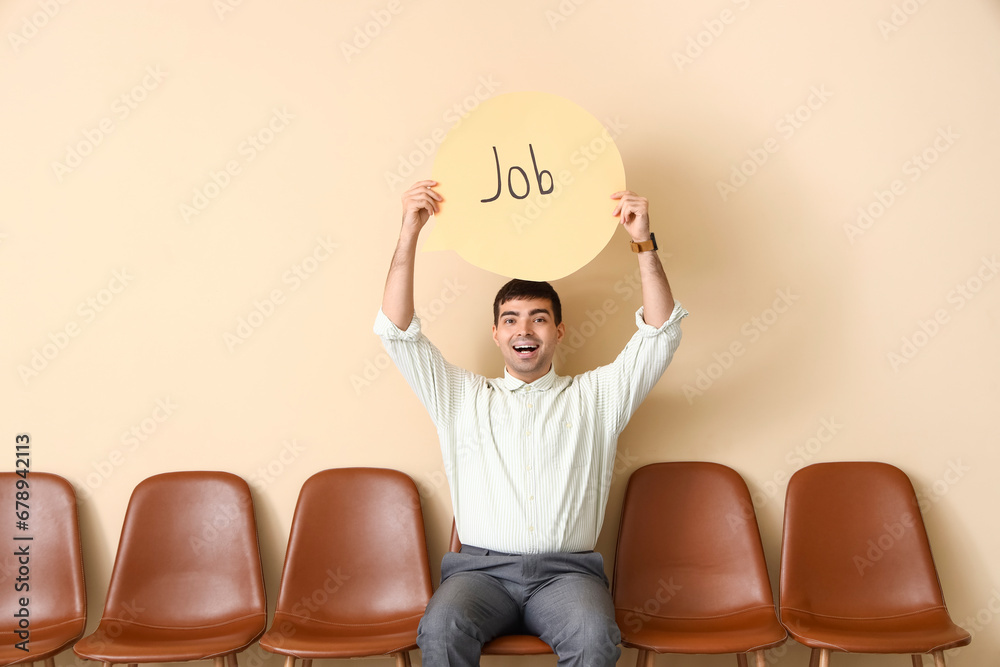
(645, 246)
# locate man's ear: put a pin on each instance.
(495, 335)
(560, 331)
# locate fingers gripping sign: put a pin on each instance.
(526, 178)
(419, 203)
(633, 213)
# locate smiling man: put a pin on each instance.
(529, 456)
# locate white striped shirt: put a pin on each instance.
(530, 465)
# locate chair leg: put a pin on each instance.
(50, 662)
(939, 659)
(741, 659)
(289, 661)
(231, 660)
(820, 657)
(219, 661)
(307, 663)
(760, 659)
(918, 660)
(402, 658)
(644, 658)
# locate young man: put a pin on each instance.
(529, 456)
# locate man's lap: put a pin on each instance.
(544, 594)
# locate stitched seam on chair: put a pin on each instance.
(182, 627)
(764, 647)
(352, 625)
(695, 618)
(40, 626)
(864, 618)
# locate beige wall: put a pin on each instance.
(156, 97)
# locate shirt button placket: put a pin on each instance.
(531, 452)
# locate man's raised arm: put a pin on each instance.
(657, 301)
(419, 203)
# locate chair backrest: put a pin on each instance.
(854, 543)
(356, 550)
(689, 537)
(188, 554)
(52, 578)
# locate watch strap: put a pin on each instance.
(645, 246)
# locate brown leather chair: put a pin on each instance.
(505, 644)
(52, 578)
(857, 574)
(355, 581)
(187, 582)
(690, 574)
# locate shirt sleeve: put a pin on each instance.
(621, 386)
(439, 385)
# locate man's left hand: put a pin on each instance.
(634, 212)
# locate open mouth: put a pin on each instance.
(525, 350)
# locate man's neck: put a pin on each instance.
(524, 379)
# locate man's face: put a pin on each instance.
(527, 335)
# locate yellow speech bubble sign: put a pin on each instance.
(527, 179)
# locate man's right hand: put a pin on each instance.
(419, 203)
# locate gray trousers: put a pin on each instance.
(563, 598)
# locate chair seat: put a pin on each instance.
(921, 632)
(750, 630)
(309, 639)
(516, 645)
(46, 641)
(117, 641)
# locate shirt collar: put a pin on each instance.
(541, 384)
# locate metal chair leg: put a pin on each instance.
(918, 660)
(820, 657)
(289, 661)
(939, 659)
(741, 659)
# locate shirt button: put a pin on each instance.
(531, 497)
(530, 405)
(527, 467)
(531, 529)
(529, 432)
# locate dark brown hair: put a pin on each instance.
(527, 289)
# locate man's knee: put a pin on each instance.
(453, 613)
(446, 619)
(592, 636)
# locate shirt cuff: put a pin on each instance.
(385, 328)
(673, 321)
